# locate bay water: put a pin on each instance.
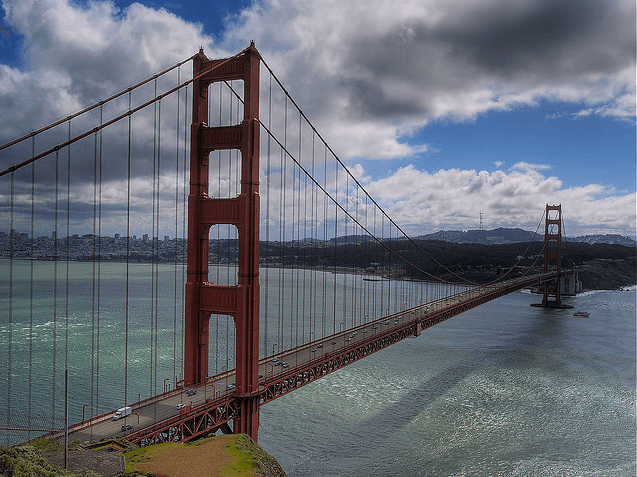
(505, 389)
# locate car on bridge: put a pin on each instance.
(122, 412)
(127, 427)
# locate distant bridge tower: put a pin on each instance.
(552, 254)
(202, 297)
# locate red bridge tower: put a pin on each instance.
(202, 297)
(552, 254)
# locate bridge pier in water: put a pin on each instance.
(552, 292)
(202, 297)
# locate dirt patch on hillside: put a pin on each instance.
(181, 460)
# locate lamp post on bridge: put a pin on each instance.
(83, 409)
(227, 370)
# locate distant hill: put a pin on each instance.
(614, 239)
(350, 239)
(496, 236)
(503, 235)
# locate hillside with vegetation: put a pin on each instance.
(600, 265)
(217, 456)
(479, 256)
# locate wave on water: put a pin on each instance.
(632, 288)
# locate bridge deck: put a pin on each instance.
(215, 403)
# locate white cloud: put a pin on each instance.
(370, 78)
(451, 199)
(79, 55)
(399, 65)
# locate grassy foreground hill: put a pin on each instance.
(217, 456)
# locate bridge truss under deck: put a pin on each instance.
(216, 414)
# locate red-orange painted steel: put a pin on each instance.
(202, 297)
(552, 253)
(216, 413)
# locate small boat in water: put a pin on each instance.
(584, 314)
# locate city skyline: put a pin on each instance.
(147, 237)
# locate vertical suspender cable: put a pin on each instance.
(175, 259)
(151, 372)
(359, 243)
(325, 216)
(346, 246)
(389, 275)
(229, 231)
(94, 291)
(66, 305)
(55, 288)
(380, 302)
(10, 350)
(31, 294)
(66, 287)
(374, 248)
(282, 227)
(335, 275)
(156, 241)
(268, 178)
(217, 154)
(128, 232)
(99, 270)
(184, 214)
(313, 257)
(296, 215)
(364, 259)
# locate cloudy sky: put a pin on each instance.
(443, 108)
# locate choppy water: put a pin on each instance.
(503, 390)
(118, 329)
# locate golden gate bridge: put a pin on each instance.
(282, 268)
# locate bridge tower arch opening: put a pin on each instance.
(203, 298)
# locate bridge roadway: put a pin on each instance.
(215, 404)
